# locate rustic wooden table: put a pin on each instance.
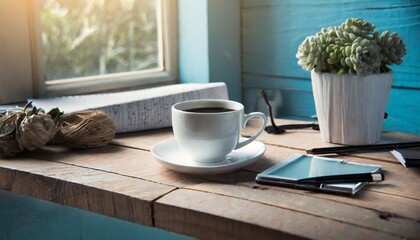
(124, 181)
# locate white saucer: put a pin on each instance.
(171, 156)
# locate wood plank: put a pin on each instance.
(106, 180)
(301, 140)
(251, 80)
(109, 173)
(307, 139)
(398, 179)
(295, 139)
(340, 210)
(142, 165)
(142, 140)
(379, 197)
(97, 191)
(222, 217)
(97, 204)
(128, 162)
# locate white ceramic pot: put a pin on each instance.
(350, 108)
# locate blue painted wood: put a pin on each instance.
(290, 98)
(267, 82)
(404, 111)
(23, 217)
(193, 41)
(272, 31)
(225, 45)
(293, 98)
(209, 43)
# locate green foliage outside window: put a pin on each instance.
(93, 37)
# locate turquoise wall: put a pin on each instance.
(193, 45)
(272, 31)
(210, 44)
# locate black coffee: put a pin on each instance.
(209, 110)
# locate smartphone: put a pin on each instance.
(298, 166)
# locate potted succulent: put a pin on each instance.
(351, 78)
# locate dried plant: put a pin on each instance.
(32, 128)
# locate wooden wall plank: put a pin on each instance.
(209, 43)
(293, 99)
(403, 110)
(273, 30)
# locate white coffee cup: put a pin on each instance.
(206, 132)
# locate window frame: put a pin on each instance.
(167, 73)
(221, 58)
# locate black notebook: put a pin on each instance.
(408, 157)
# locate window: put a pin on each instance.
(83, 46)
(87, 38)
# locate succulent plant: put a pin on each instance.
(354, 47)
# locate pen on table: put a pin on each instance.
(357, 177)
(362, 148)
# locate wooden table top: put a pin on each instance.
(123, 180)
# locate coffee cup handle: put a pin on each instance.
(246, 118)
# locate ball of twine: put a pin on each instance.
(85, 129)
